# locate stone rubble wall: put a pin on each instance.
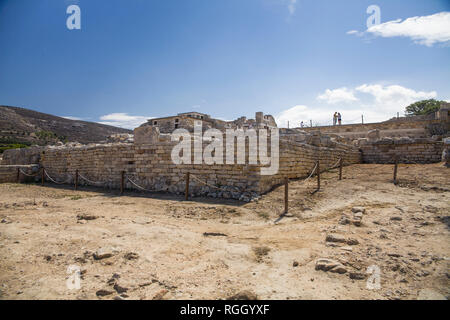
(22, 156)
(408, 150)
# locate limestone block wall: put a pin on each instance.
(151, 167)
(408, 150)
(98, 163)
(297, 160)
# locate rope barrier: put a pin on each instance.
(225, 189)
(334, 166)
(28, 175)
(54, 181)
(138, 186)
(90, 181)
(312, 172)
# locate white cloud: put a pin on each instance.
(424, 30)
(339, 95)
(376, 102)
(292, 6)
(123, 120)
(393, 98)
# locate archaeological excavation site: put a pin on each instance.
(357, 211)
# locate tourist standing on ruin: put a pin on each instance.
(335, 118)
(339, 118)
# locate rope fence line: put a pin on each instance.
(140, 187)
(28, 175)
(130, 177)
(53, 180)
(44, 172)
(90, 181)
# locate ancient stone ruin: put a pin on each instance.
(145, 159)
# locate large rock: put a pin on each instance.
(359, 209)
(104, 253)
(335, 238)
(326, 264)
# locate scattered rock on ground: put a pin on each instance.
(326, 264)
(359, 209)
(335, 238)
(103, 292)
(243, 295)
(85, 216)
(357, 276)
(131, 256)
(103, 253)
(160, 295)
(120, 289)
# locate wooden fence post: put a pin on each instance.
(42, 175)
(395, 169)
(286, 195)
(18, 175)
(122, 181)
(186, 193)
(340, 168)
(76, 179)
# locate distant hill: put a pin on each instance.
(24, 126)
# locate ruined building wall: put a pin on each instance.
(8, 173)
(297, 160)
(408, 150)
(151, 166)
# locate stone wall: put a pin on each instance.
(22, 156)
(151, 167)
(8, 173)
(408, 150)
(403, 127)
(297, 160)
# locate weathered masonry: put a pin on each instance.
(144, 161)
(407, 150)
(150, 166)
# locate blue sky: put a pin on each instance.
(298, 60)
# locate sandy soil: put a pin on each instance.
(162, 247)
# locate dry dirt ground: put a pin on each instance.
(157, 246)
